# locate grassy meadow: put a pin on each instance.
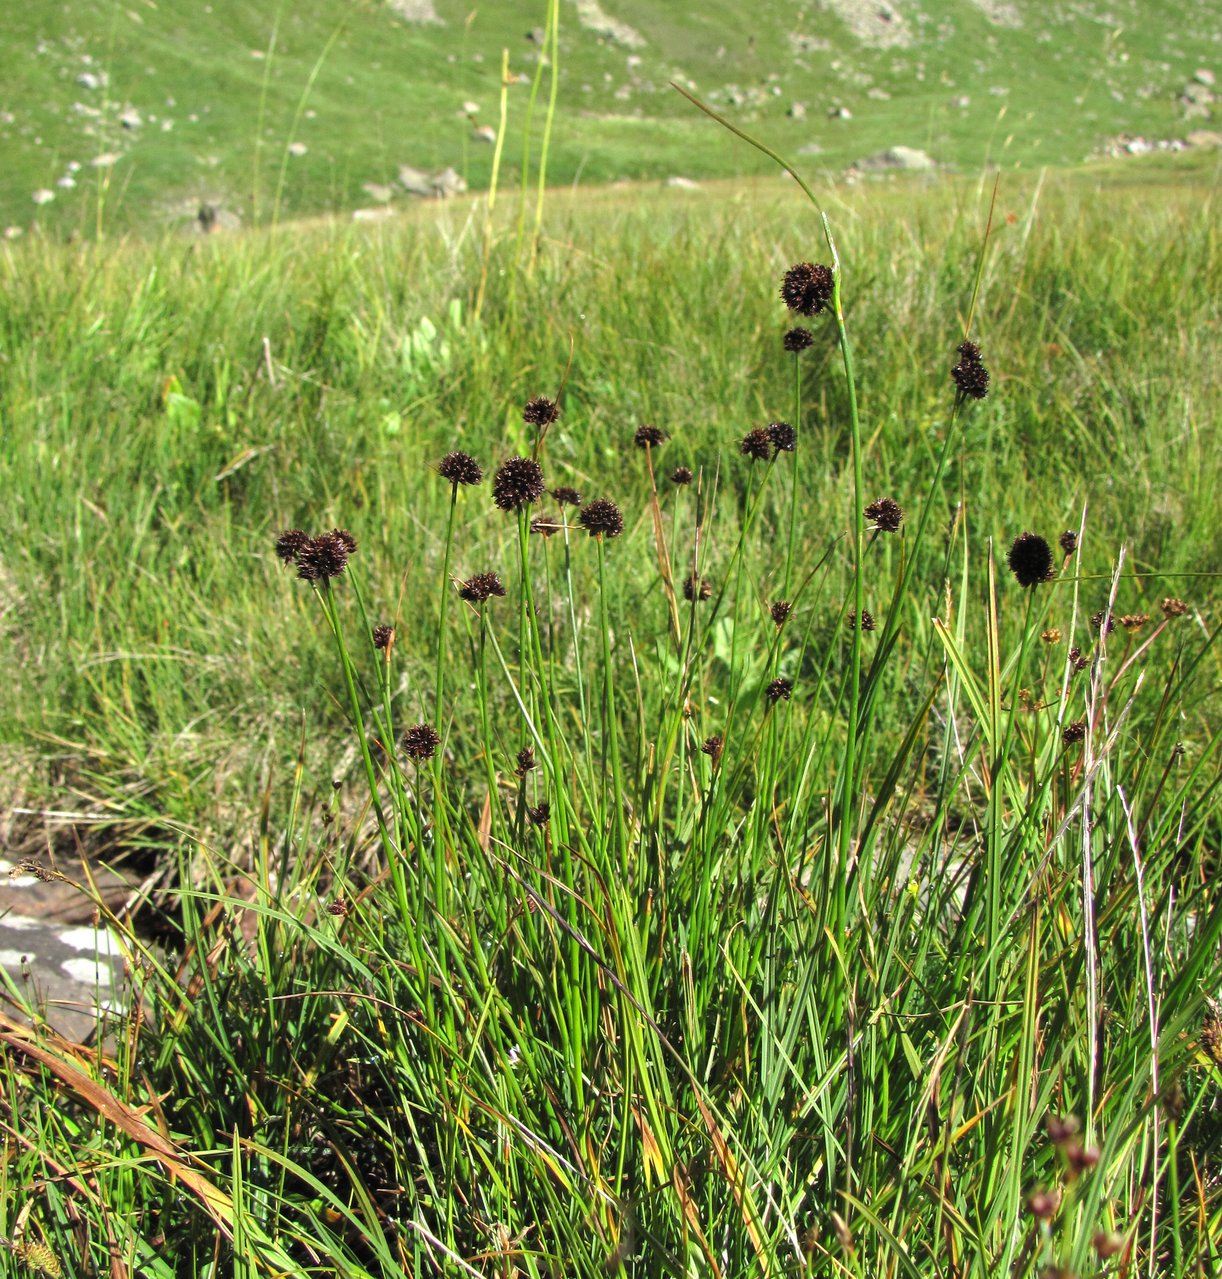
(621, 922)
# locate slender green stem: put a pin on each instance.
(443, 603)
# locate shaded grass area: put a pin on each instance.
(711, 939)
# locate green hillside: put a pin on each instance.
(263, 110)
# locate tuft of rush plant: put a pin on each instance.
(764, 926)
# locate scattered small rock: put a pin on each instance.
(962, 102)
(130, 119)
(415, 181)
(448, 182)
(379, 192)
(44, 195)
(839, 113)
(296, 148)
(810, 148)
(470, 108)
(91, 80)
(591, 16)
(485, 133)
(878, 95)
(681, 184)
(1203, 138)
(908, 159)
(1204, 76)
(105, 160)
(797, 110)
(421, 12)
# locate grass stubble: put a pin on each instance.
(713, 909)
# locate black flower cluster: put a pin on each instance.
(780, 611)
(779, 690)
(798, 339)
(696, 588)
(886, 514)
(971, 377)
(867, 620)
(756, 445)
(383, 636)
(1074, 732)
(1068, 541)
(1102, 622)
(1030, 559)
(782, 437)
(460, 468)
(483, 586)
(649, 437)
(566, 496)
(541, 814)
(681, 475)
(712, 747)
(540, 411)
(320, 558)
(807, 288)
(601, 518)
(421, 741)
(526, 761)
(518, 482)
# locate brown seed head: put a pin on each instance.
(712, 747)
(421, 741)
(798, 340)
(1107, 1243)
(290, 543)
(540, 411)
(1074, 732)
(1052, 635)
(541, 814)
(602, 518)
(681, 475)
(477, 589)
(1134, 621)
(1077, 661)
(971, 377)
(325, 556)
(807, 288)
(756, 445)
(886, 513)
(460, 468)
(547, 525)
(383, 636)
(649, 437)
(1044, 1204)
(779, 690)
(1061, 1128)
(1068, 541)
(1081, 1158)
(696, 588)
(1030, 559)
(518, 482)
(867, 620)
(526, 760)
(566, 496)
(1102, 622)
(780, 611)
(1173, 607)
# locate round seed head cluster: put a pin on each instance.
(712, 747)
(1074, 732)
(1173, 607)
(460, 468)
(566, 496)
(1102, 622)
(780, 611)
(1077, 661)
(477, 589)
(602, 518)
(807, 288)
(421, 741)
(383, 636)
(681, 475)
(798, 339)
(783, 437)
(325, 556)
(1134, 621)
(1052, 635)
(971, 377)
(518, 482)
(756, 445)
(649, 437)
(696, 588)
(779, 690)
(886, 514)
(547, 525)
(540, 411)
(290, 543)
(867, 620)
(541, 814)
(1068, 541)
(1030, 559)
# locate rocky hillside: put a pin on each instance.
(207, 116)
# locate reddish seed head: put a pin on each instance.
(780, 612)
(783, 437)
(712, 747)
(566, 496)
(971, 377)
(1068, 541)
(325, 556)
(483, 586)
(383, 636)
(541, 814)
(1072, 733)
(526, 760)
(696, 588)
(1173, 607)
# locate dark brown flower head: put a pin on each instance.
(338, 907)
(1030, 559)
(712, 747)
(681, 475)
(518, 482)
(1061, 1128)
(383, 636)
(1134, 621)
(541, 814)
(526, 761)
(783, 437)
(1081, 1158)
(756, 445)
(1077, 661)
(798, 340)
(290, 543)
(477, 589)
(601, 518)
(1068, 541)
(886, 513)
(778, 690)
(971, 377)
(696, 588)
(1107, 1243)
(1173, 607)
(780, 612)
(566, 496)
(325, 556)
(867, 620)
(807, 288)
(1044, 1204)
(649, 437)
(460, 468)
(1102, 622)
(1072, 733)
(540, 411)
(547, 525)
(421, 741)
